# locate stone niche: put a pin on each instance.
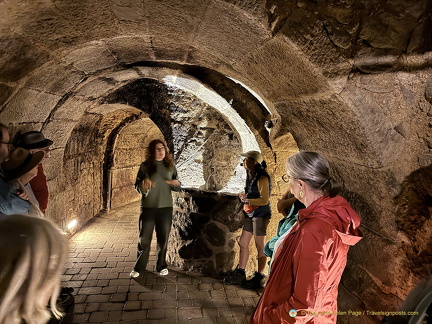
(206, 227)
(203, 143)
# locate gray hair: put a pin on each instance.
(313, 169)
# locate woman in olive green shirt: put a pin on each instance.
(155, 180)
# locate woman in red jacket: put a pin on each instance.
(304, 278)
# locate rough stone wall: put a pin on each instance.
(206, 227)
(325, 69)
(204, 144)
(76, 186)
(393, 108)
(413, 219)
(394, 111)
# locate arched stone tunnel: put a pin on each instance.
(349, 79)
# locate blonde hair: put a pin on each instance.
(33, 252)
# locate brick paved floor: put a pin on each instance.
(101, 258)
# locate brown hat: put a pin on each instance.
(253, 155)
(20, 162)
(32, 140)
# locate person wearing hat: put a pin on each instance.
(256, 208)
(35, 141)
(12, 201)
(18, 170)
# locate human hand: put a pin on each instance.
(22, 194)
(174, 182)
(243, 197)
(147, 184)
(284, 204)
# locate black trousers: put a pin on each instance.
(159, 219)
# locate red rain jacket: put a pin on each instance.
(308, 266)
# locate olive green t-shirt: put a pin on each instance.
(160, 195)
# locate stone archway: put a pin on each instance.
(127, 154)
(351, 80)
(83, 165)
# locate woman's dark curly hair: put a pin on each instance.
(151, 157)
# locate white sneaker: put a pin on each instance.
(135, 274)
(164, 272)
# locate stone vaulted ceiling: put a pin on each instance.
(348, 78)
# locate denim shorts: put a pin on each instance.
(256, 225)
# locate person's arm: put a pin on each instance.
(174, 182)
(287, 194)
(284, 204)
(264, 190)
(310, 275)
(10, 203)
(140, 178)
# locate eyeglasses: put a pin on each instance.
(285, 177)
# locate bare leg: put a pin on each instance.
(245, 239)
(262, 258)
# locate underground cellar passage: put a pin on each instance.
(348, 79)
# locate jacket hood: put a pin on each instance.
(337, 212)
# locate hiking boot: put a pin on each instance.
(235, 278)
(66, 291)
(256, 282)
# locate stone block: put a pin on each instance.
(72, 109)
(5, 92)
(229, 214)
(54, 78)
(386, 31)
(123, 195)
(199, 219)
(187, 14)
(221, 20)
(132, 305)
(340, 137)
(19, 57)
(29, 105)
(225, 261)
(95, 88)
(166, 50)
(92, 57)
(60, 132)
(190, 312)
(215, 235)
(131, 157)
(201, 57)
(123, 75)
(277, 58)
(124, 177)
(128, 10)
(197, 249)
(135, 315)
(53, 166)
